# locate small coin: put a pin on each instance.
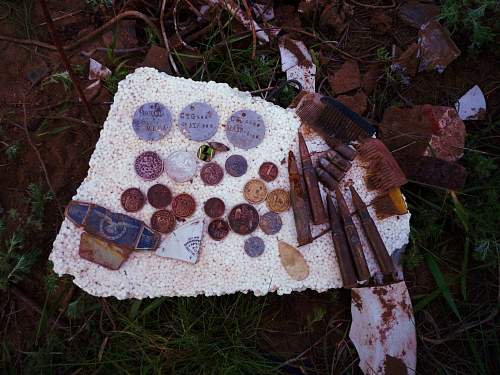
(159, 196)
(205, 153)
(245, 129)
(218, 229)
(211, 174)
(163, 221)
(255, 191)
(149, 165)
(132, 200)
(152, 121)
(268, 171)
(236, 165)
(270, 223)
(198, 121)
(183, 205)
(243, 218)
(214, 207)
(181, 166)
(254, 246)
(278, 200)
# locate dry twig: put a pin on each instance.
(165, 39)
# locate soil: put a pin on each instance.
(45, 107)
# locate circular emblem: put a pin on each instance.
(211, 174)
(243, 219)
(278, 200)
(149, 165)
(159, 196)
(205, 153)
(270, 223)
(163, 221)
(245, 129)
(183, 205)
(218, 229)
(236, 165)
(181, 166)
(254, 246)
(214, 207)
(255, 191)
(268, 171)
(132, 200)
(152, 121)
(198, 121)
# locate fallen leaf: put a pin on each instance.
(157, 57)
(293, 261)
(381, 22)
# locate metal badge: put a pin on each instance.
(198, 121)
(245, 129)
(152, 121)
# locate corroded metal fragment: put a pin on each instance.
(104, 253)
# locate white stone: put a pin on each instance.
(181, 166)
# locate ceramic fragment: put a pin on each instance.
(183, 243)
(472, 105)
(296, 61)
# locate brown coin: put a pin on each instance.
(132, 200)
(270, 223)
(211, 173)
(268, 171)
(214, 207)
(163, 221)
(255, 191)
(159, 196)
(183, 205)
(218, 229)
(278, 200)
(243, 219)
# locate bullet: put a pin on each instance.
(300, 205)
(318, 212)
(353, 239)
(384, 260)
(332, 169)
(338, 160)
(326, 179)
(341, 247)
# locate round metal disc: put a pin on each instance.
(152, 121)
(198, 121)
(245, 129)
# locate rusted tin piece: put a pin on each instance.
(353, 239)
(104, 253)
(300, 205)
(318, 212)
(331, 169)
(338, 160)
(119, 229)
(341, 247)
(383, 329)
(324, 177)
(383, 258)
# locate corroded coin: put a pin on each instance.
(214, 207)
(152, 121)
(181, 166)
(163, 221)
(159, 196)
(278, 200)
(183, 205)
(211, 173)
(270, 223)
(149, 165)
(255, 191)
(132, 200)
(268, 171)
(218, 229)
(245, 129)
(198, 121)
(236, 165)
(205, 153)
(243, 218)
(254, 246)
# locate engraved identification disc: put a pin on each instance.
(245, 129)
(152, 121)
(198, 121)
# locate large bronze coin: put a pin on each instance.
(268, 171)
(159, 196)
(132, 200)
(183, 205)
(214, 207)
(211, 174)
(243, 218)
(163, 221)
(218, 229)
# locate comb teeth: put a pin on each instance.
(390, 204)
(383, 172)
(309, 109)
